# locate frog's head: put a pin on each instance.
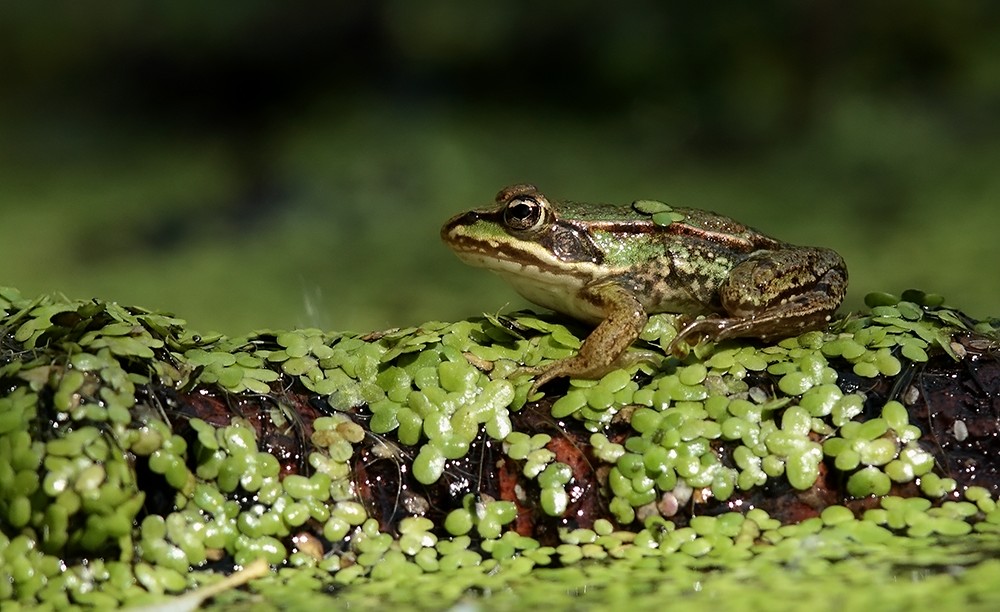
(522, 230)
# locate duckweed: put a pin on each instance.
(662, 441)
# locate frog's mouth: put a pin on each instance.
(501, 255)
(557, 246)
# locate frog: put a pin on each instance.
(612, 266)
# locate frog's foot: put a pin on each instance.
(713, 328)
(536, 372)
(788, 319)
(572, 367)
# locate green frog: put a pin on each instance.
(612, 266)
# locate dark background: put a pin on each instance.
(265, 165)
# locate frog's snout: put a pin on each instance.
(465, 219)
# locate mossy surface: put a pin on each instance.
(140, 460)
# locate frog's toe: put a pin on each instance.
(535, 372)
(543, 379)
(712, 328)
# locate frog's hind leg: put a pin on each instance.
(783, 293)
(776, 294)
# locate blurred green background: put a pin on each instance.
(267, 165)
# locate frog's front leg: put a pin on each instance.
(624, 319)
(774, 294)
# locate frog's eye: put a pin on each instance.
(523, 214)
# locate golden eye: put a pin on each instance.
(523, 213)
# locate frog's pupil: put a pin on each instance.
(522, 213)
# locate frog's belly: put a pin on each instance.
(556, 292)
(564, 294)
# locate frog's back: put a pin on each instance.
(588, 212)
(716, 227)
(672, 261)
(688, 224)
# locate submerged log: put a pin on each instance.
(120, 425)
(955, 405)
